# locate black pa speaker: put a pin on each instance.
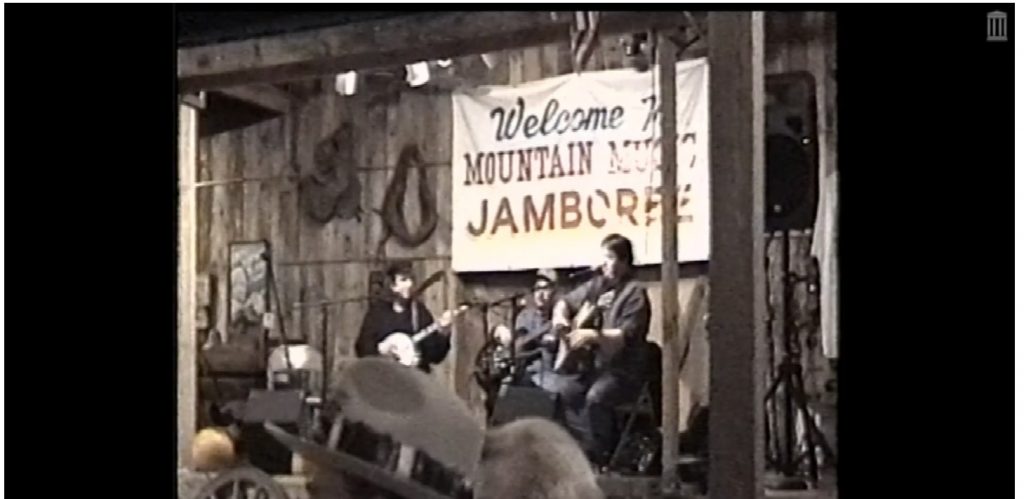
(791, 152)
(516, 402)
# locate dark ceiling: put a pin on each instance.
(201, 27)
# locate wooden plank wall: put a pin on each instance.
(316, 262)
(333, 261)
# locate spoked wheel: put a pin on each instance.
(242, 483)
(492, 364)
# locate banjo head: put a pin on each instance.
(401, 347)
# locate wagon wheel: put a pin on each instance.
(242, 483)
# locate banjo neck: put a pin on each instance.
(433, 327)
(427, 331)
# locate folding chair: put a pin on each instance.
(643, 406)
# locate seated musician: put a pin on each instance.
(622, 317)
(535, 341)
(401, 313)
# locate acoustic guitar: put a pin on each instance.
(495, 359)
(522, 341)
(573, 360)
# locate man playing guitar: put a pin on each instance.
(535, 341)
(403, 314)
(621, 314)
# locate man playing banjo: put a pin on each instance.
(400, 315)
(403, 315)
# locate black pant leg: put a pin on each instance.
(608, 390)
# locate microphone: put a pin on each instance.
(587, 272)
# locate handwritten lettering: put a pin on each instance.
(553, 120)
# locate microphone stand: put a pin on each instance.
(294, 380)
(486, 306)
(515, 360)
(514, 300)
(582, 275)
(272, 280)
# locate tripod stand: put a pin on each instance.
(789, 380)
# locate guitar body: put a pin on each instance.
(521, 344)
(572, 361)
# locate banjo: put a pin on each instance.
(404, 347)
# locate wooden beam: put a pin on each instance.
(263, 95)
(666, 54)
(737, 293)
(456, 375)
(391, 42)
(188, 137)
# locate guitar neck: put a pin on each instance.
(532, 336)
(585, 314)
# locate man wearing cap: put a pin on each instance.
(534, 322)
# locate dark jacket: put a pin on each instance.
(629, 311)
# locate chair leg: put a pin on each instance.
(624, 436)
(612, 461)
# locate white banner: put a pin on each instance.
(541, 172)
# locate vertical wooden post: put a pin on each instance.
(666, 53)
(188, 133)
(737, 293)
(456, 353)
